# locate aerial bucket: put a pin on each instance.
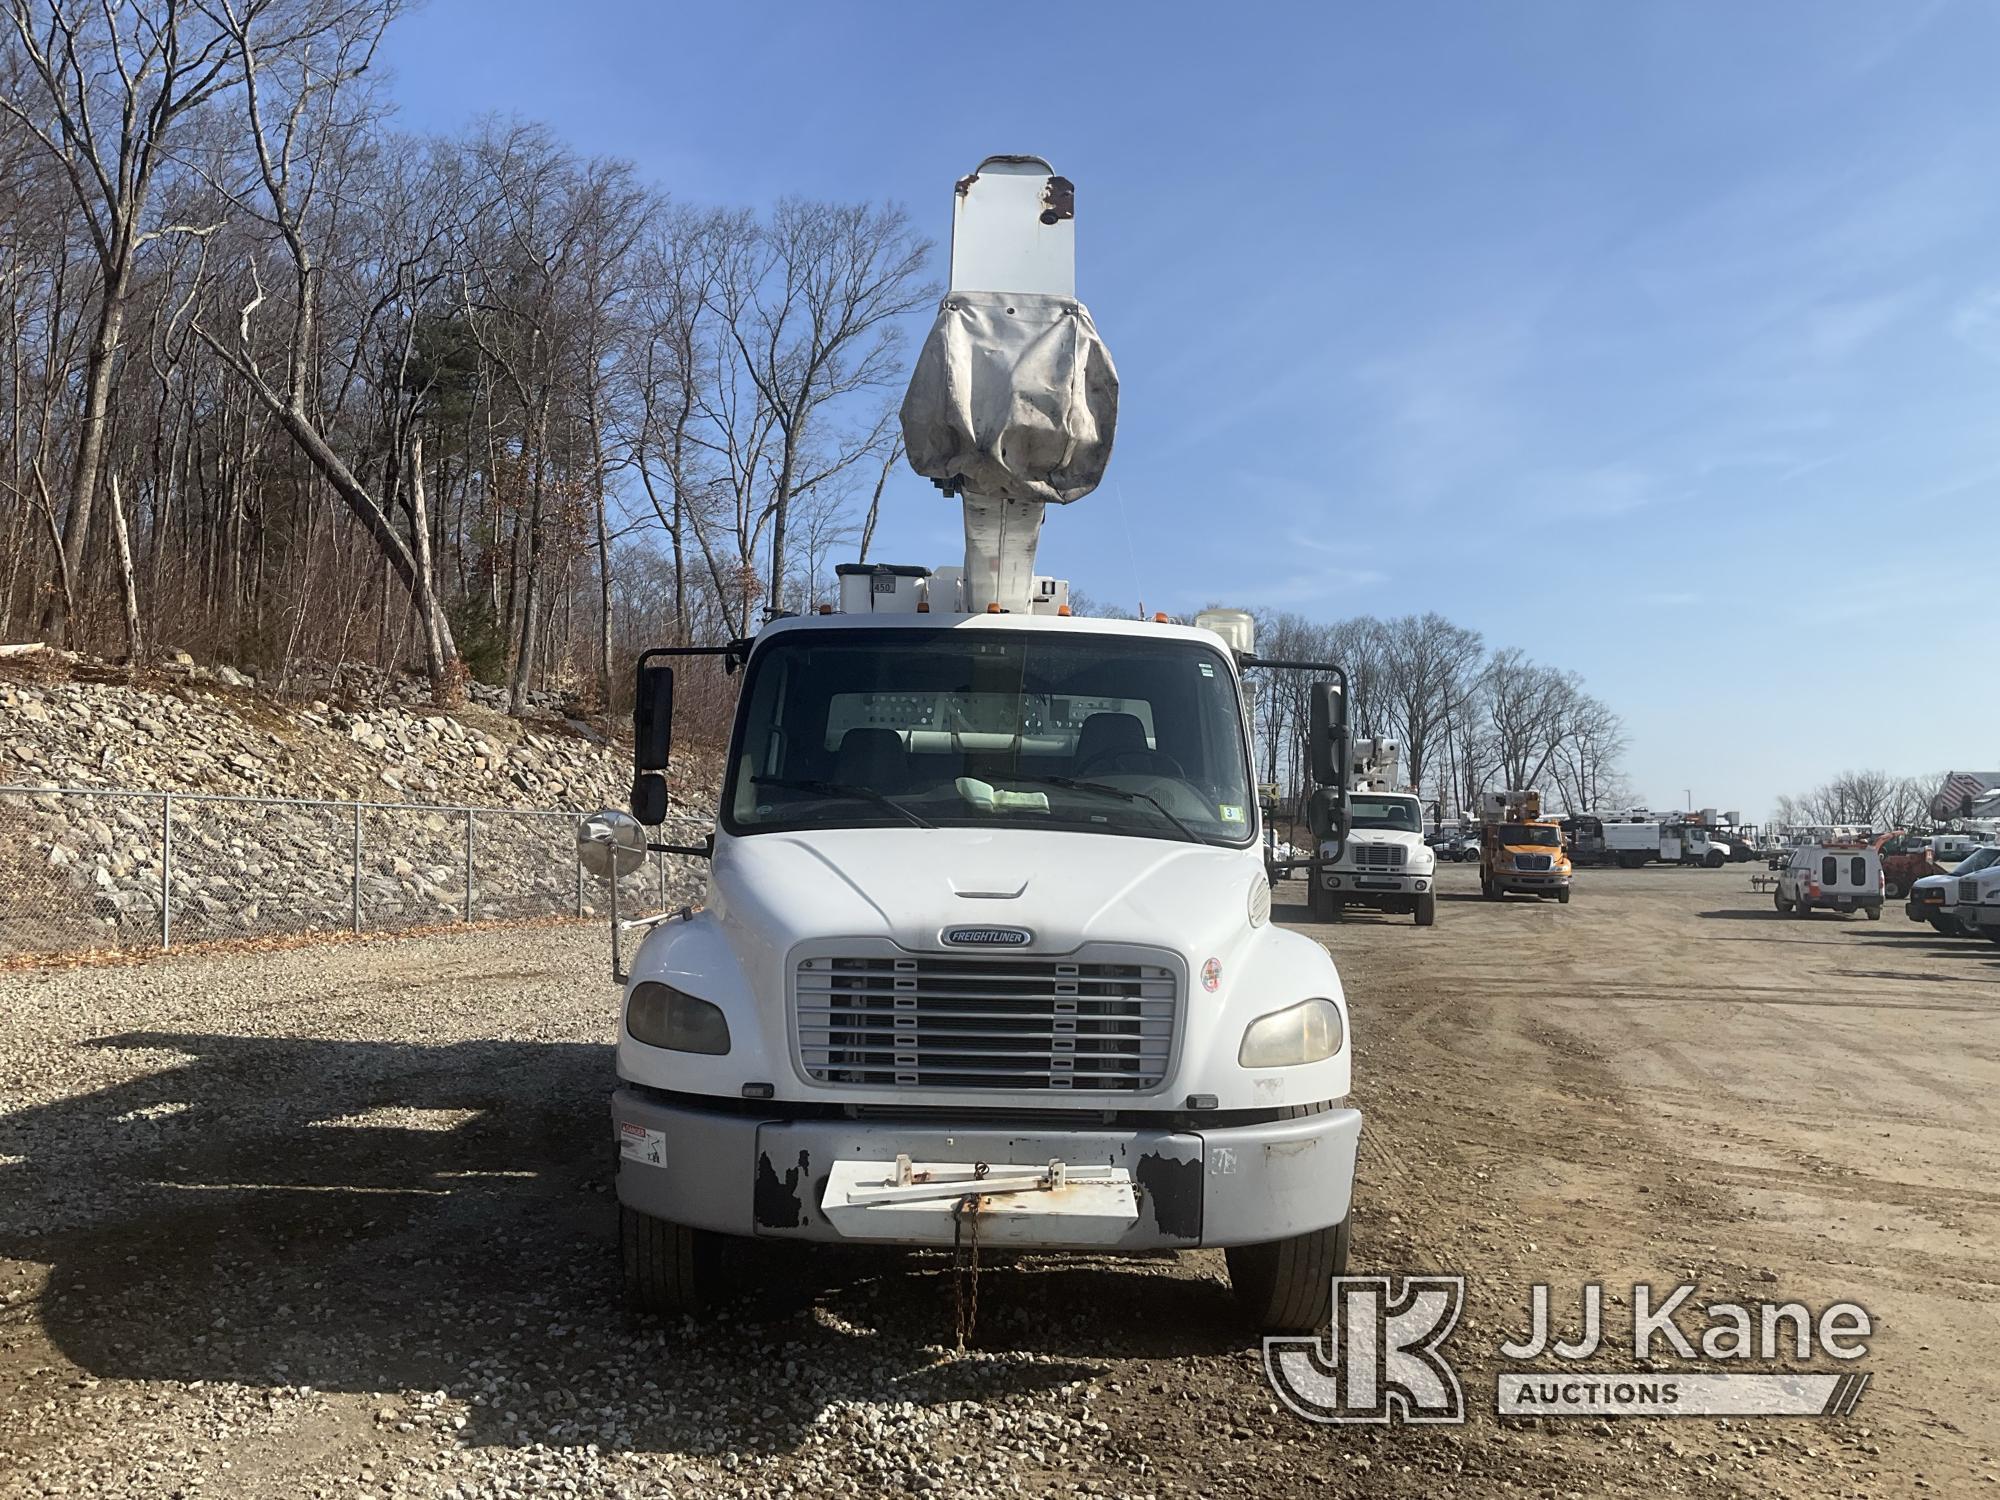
(1014, 399)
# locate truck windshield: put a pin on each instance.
(1092, 733)
(1529, 833)
(1396, 813)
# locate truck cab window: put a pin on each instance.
(1094, 734)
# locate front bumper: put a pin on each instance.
(745, 1174)
(1531, 882)
(1359, 885)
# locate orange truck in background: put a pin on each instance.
(1520, 851)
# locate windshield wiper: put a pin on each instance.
(1071, 784)
(842, 789)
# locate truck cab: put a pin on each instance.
(986, 896)
(1935, 898)
(1384, 862)
(1979, 901)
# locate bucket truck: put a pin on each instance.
(1385, 863)
(986, 950)
(1519, 849)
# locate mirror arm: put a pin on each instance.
(704, 850)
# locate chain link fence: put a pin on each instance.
(89, 868)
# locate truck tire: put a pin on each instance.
(1286, 1286)
(1713, 859)
(1802, 908)
(1427, 909)
(1784, 906)
(1874, 913)
(1893, 889)
(669, 1268)
(1563, 895)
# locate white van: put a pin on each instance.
(1834, 877)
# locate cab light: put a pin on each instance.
(1306, 1033)
(661, 1016)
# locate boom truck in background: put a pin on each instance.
(1384, 862)
(986, 952)
(1520, 851)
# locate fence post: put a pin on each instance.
(166, 871)
(468, 864)
(354, 888)
(576, 854)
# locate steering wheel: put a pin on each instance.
(1131, 762)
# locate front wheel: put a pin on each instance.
(1286, 1286)
(1563, 895)
(669, 1268)
(1713, 860)
(1893, 890)
(1784, 906)
(1427, 909)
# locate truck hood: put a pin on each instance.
(910, 886)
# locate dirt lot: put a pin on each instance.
(334, 1221)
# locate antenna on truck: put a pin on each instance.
(1014, 398)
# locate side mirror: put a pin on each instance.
(1326, 814)
(652, 737)
(611, 845)
(1327, 729)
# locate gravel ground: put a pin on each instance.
(334, 1221)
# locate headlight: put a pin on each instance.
(1260, 901)
(1307, 1033)
(661, 1016)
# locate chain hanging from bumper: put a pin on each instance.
(964, 1278)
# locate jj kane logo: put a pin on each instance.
(1384, 1361)
(988, 937)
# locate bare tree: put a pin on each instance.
(114, 81)
(1428, 666)
(809, 306)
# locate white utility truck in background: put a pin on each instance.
(986, 952)
(1384, 863)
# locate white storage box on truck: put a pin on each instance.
(1831, 877)
(986, 950)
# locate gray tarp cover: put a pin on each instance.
(1014, 396)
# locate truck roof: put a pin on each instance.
(1151, 630)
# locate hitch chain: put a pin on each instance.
(966, 1209)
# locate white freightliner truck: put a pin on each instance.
(986, 948)
(1385, 863)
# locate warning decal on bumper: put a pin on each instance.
(637, 1143)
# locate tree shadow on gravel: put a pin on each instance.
(388, 1217)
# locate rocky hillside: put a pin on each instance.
(87, 871)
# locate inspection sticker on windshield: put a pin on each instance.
(637, 1143)
(1230, 812)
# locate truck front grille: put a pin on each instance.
(1968, 890)
(1379, 856)
(1532, 861)
(985, 1021)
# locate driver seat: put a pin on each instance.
(1105, 735)
(873, 757)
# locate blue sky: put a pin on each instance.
(1661, 341)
